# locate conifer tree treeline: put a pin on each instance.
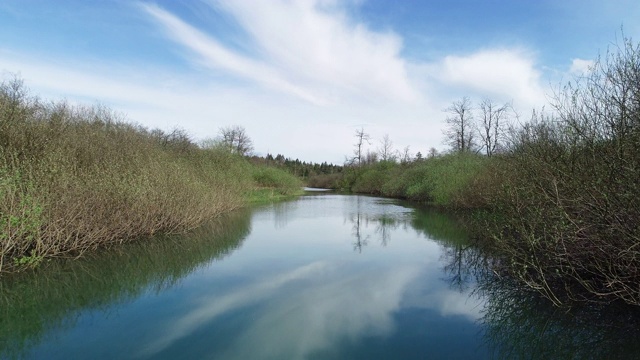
(298, 168)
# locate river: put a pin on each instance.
(324, 276)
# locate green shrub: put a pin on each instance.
(273, 178)
(372, 178)
(442, 181)
(568, 202)
(75, 178)
(325, 181)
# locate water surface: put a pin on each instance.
(322, 277)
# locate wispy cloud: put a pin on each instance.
(210, 308)
(309, 49)
(308, 66)
(214, 55)
(329, 309)
(316, 42)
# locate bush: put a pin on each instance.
(75, 178)
(325, 181)
(372, 178)
(273, 178)
(442, 181)
(569, 211)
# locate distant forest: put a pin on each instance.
(299, 168)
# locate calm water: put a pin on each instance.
(323, 277)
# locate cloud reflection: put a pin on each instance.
(325, 315)
(332, 307)
(210, 307)
(320, 307)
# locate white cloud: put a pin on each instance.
(507, 74)
(276, 122)
(581, 66)
(317, 44)
(331, 312)
(213, 54)
(307, 48)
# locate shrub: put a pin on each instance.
(75, 178)
(280, 180)
(569, 211)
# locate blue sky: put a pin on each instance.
(302, 75)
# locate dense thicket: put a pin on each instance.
(566, 217)
(74, 178)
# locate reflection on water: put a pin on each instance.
(34, 305)
(323, 277)
(521, 324)
(292, 287)
(303, 322)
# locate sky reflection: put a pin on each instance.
(328, 295)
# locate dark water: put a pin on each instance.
(323, 277)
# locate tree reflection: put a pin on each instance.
(460, 269)
(282, 213)
(521, 324)
(387, 218)
(360, 240)
(383, 228)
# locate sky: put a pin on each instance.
(301, 76)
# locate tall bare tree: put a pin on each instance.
(235, 139)
(459, 133)
(385, 150)
(361, 138)
(491, 126)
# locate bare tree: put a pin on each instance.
(361, 138)
(406, 155)
(459, 131)
(235, 139)
(385, 150)
(492, 125)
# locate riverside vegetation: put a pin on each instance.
(76, 178)
(555, 199)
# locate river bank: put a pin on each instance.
(74, 179)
